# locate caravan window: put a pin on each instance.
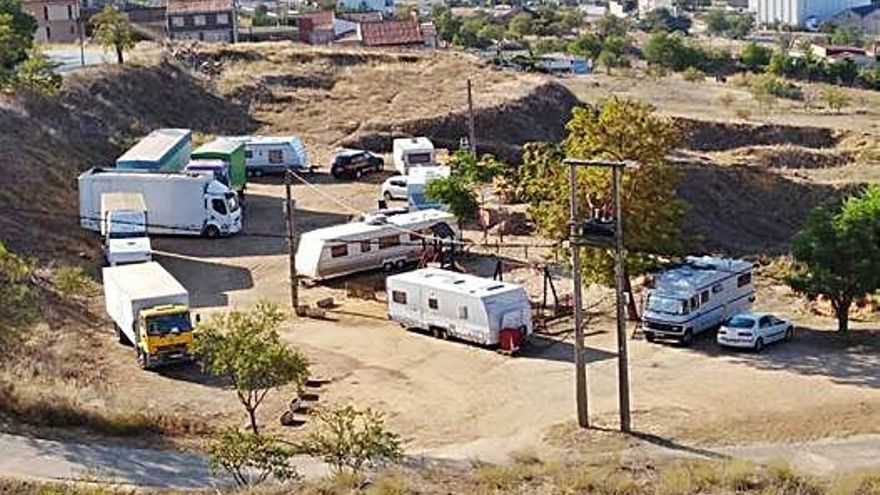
(717, 288)
(432, 303)
(339, 251)
(463, 312)
(248, 154)
(365, 246)
(389, 241)
(398, 296)
(276, 156)
(744, 279)
(704, 297)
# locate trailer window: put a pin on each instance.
(717, 288)
(339, 251)
(432, 303)
(248, 154)
(398, 296)
(366, 246)
(219, 206)
(276, 156)
(463, 312)
(704, 297)
(744, 279)
(389, 241)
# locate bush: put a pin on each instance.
(692, 74)
(743, 113)
(772, 85)
(74, 282)
(250, 458)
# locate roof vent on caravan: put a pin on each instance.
(377, 219)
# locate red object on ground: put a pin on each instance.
(509, 339)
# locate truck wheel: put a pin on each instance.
(649, 336)
(211, 232)
(687, 338)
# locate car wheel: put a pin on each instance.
(388, 267)
(358, 174)
(789, 334)
(211, 232)
(687, 338)
(759, 344)
(258, 173)
(388, 196)
(400, 264)
(649, 336)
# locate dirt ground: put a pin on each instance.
(456, 400)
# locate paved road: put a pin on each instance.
(69, 59)
(24, 457)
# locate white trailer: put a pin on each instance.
(380, 241)
(453, 304)
(150, 310)
(124, 228)
(266, 155)
(697, 296)
(177, 203)
(413, 152)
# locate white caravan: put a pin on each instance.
(265, 155)
(416, 183)
(413, 152)
(124, 228)
(454, 304)
(177, 203)
(380, 241)
(697, 296)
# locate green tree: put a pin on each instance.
(113, 31)
(662, 20)
(586, 45)
(37, 73)
(839, 254)
(447, 23)
(610, 25)
(780, 63)
(671, 52)
(521, 25)
(755, 57)
(463, 189)
(17, 29)
(614, 53)
(618, 129)
(716, 22)
(843, 72)
(19, 306)
(847, 35)
(349, 439)
(249, 458)
(244, 347)
(835, 99)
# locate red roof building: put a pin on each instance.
(392, 33)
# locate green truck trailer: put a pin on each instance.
(230, 152)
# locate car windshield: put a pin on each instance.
(666, 305)
(133, 234)
(165, 324)
(233, 202)
(740, 322)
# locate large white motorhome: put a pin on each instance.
(177, 203)
(454, 304)
(124, 228)
(266, 155)
(380, 241)
(413, 152)
(697, 296)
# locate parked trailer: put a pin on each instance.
(233, 154)
(150, 310)
(475, 309)
(266, 155)
(413, 152)
(167, 150)
(380, 241)
(177, 204)
(697, 296)
(124, 228)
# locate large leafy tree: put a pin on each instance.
(17, 29)
(114, 31)
(244, 347)
(839, 254)
(617, 129)
(462, 191)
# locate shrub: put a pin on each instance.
(74, 282)
(726, 100)
(742, 113)
(775, 86)
(250, 458)
(692, 74)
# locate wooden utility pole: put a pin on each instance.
(472, 133)
(289, 207)
(619, 285)
(580, 358)
(82, 40)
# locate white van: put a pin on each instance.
(454, 304)
(697, 296)
(380, 241)
(413, 152)
(266, 155)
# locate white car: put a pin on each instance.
(754, 330)
(394, 188)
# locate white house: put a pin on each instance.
(800, 13)
(386, 7)
(649, 5)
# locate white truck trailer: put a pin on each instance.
(124, 228)
(413, 152)
(451, 304)
(150, 310)
(177, 203)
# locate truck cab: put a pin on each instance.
(124, 228)
(224, 211)
(165, 335)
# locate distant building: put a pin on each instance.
(316, 28)
(865, 18)
(360, 16)
(386, 7)
(57, 20)
(649, 5)
(833, 54)
(400, 34)
(203, 20)
(800, 13)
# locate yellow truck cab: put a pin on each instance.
(150, 310)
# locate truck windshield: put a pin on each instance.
(165, 324)
(232, 200)
(115, 234)
(665, 305)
